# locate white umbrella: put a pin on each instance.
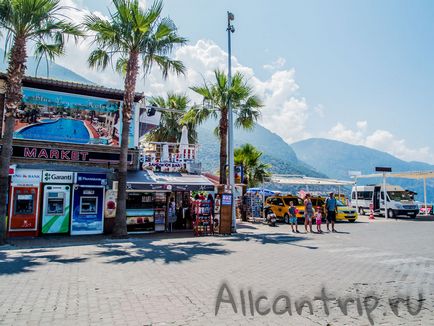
(183, 143)
(165, 154)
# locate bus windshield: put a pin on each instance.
(399, 195)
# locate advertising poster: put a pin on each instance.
(88, 210)
(69, 118)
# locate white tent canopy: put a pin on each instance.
(418, 175)
(308, 181)
(406, 175)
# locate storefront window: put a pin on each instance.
(139, 200)
(24, 205)
(88, 205)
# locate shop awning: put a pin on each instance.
(162, 181)
(405, 175)
(308, 181)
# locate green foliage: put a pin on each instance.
(249, 157)
(131, 29)
(245, 104)
(170, 128)
(38, 21)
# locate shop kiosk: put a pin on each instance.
(24, 202)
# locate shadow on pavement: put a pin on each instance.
(13, 262)
(167, 252)
(271, 238)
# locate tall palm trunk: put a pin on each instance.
(223, 128)
(13, 95)
(120, 227)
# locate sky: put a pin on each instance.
(358, 71)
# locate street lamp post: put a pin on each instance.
(230, 29)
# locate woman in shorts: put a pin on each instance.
(308, 213)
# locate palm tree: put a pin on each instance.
(244, 102)
(133, 38)
(171, 123)
(249, 158)
(42, 23)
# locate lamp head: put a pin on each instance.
(230, 16)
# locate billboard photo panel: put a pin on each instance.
(70, 118)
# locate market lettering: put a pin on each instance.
(30, 153)
(43, 154)
(54, 154)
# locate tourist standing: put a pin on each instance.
(331, 208)
(308, 213)
(318, 219)
(292, 211)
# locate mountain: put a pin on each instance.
(54, 70)
(275, 150)
(337, 158)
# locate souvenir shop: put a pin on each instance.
(162, 201)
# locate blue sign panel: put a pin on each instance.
(87, 210)
(91, 179)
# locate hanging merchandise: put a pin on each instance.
(203, 223)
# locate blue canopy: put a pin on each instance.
(261, 191)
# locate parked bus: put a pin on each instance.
(399, 201)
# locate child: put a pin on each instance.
(292, 211)
(318, 218)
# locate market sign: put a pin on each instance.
(26, 177)
(93, 179)
(63, 155)
(57, 177)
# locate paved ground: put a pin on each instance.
(158, 280)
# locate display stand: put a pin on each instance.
(254, 207)
(160, 211)
(225, 226)
(203, 222)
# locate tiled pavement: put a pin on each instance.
(175, 280)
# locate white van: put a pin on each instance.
(399, 201)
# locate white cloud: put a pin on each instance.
(382, 140)
(319, 110)
(284, 113)
(362, 125)
(276, 64)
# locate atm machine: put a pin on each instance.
(24, 202)
(56, 210)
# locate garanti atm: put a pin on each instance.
(56, 211)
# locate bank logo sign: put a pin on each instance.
(57, 177)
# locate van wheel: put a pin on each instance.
(390, 213)
(361, 211)
(286, 219)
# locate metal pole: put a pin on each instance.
(424, 196)
(357, 198)
(385, 195)
(230, 29)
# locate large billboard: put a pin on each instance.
(69, 118)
